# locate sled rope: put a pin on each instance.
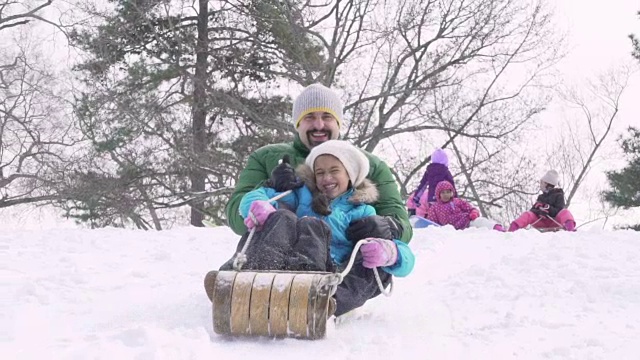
(533, 223)
(555, 221)
(344, 273)
(547, 217)
(336, 279)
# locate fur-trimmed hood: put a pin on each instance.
(366, 193)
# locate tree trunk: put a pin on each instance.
(152, 210)
(467, 175)
(199, 113)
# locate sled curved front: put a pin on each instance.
(269, 303)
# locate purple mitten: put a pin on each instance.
(379, 252)
(260, 209)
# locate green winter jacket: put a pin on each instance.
(263, 160)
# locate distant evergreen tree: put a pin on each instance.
(635, 42)
(172, 95)
(625, 187)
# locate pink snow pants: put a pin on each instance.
(528, 218)
(424, 205)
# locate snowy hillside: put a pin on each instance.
(474, 294)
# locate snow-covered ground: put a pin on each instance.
(474, 294)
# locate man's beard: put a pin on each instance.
(313, 143)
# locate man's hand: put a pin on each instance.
(283, 177)
(376, 226)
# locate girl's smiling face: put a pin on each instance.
(331, 176)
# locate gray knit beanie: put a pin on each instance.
(317, 97)
(352, 158)
(551, 177)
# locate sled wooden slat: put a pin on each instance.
(298, 304)
(318, 328)
(279, 304)
(311, 306)
(221, 304)
(259, 316)
(240, 305)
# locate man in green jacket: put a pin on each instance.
(317, 115)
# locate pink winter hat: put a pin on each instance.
(440, 157)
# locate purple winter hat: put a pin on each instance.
(440, 157)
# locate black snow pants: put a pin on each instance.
(287, 242)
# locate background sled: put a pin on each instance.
(209, 223)
(548, 229)
(544, 226)
(420, 222)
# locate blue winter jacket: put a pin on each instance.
(348, 207)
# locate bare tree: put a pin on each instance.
(17, 13)
(437, 73)
(34, 131)
(592, 111)
(449, 57)
(469, 72)
(36, 127)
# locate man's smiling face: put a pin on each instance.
(318, 127)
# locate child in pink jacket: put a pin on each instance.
(450, 210)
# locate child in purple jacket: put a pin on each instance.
(459, 213)
(419, 201)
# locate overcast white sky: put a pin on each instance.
(598, 32)
(598, 39)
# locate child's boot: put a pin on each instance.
(570, 225)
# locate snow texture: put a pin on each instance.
(474, 294)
